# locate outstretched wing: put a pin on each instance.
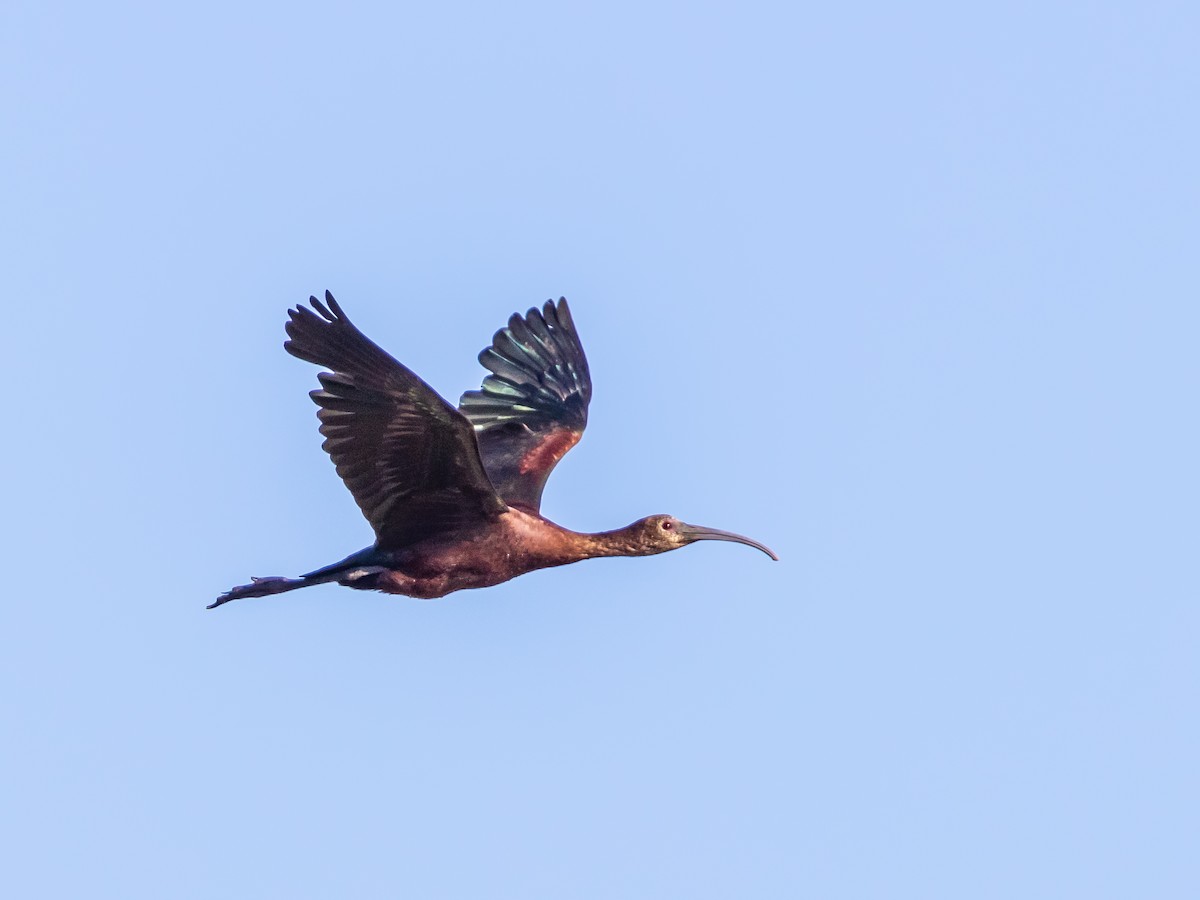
(409, 458)
(532, 409)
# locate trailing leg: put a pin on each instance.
(350, 571)
(261, 587)
(361, 577)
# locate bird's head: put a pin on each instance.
(658, 534)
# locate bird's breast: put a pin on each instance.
(515, 543)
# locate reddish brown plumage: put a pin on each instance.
(516, 543)
(454, 494)
(545, 456)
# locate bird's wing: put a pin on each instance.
(532, 409)
(409, 458)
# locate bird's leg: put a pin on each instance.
(261, 587)
(362, 577)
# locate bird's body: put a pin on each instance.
(516, 543)
(481, 557)
(454, 494)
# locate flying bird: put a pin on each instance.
(453, 495)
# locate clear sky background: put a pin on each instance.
(907, 291)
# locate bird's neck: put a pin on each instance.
(619, 542)
(549, 544)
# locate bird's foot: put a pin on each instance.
(258, 587)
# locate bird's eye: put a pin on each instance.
(667, 526)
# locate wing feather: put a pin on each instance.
(533, 406)
(409, 458)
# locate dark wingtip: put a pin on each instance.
(563, 315)
(333, 305)
(300, 312)
(320, 307)
(306, 328)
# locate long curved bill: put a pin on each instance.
(700, 533)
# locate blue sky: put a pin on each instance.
(907, 293)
